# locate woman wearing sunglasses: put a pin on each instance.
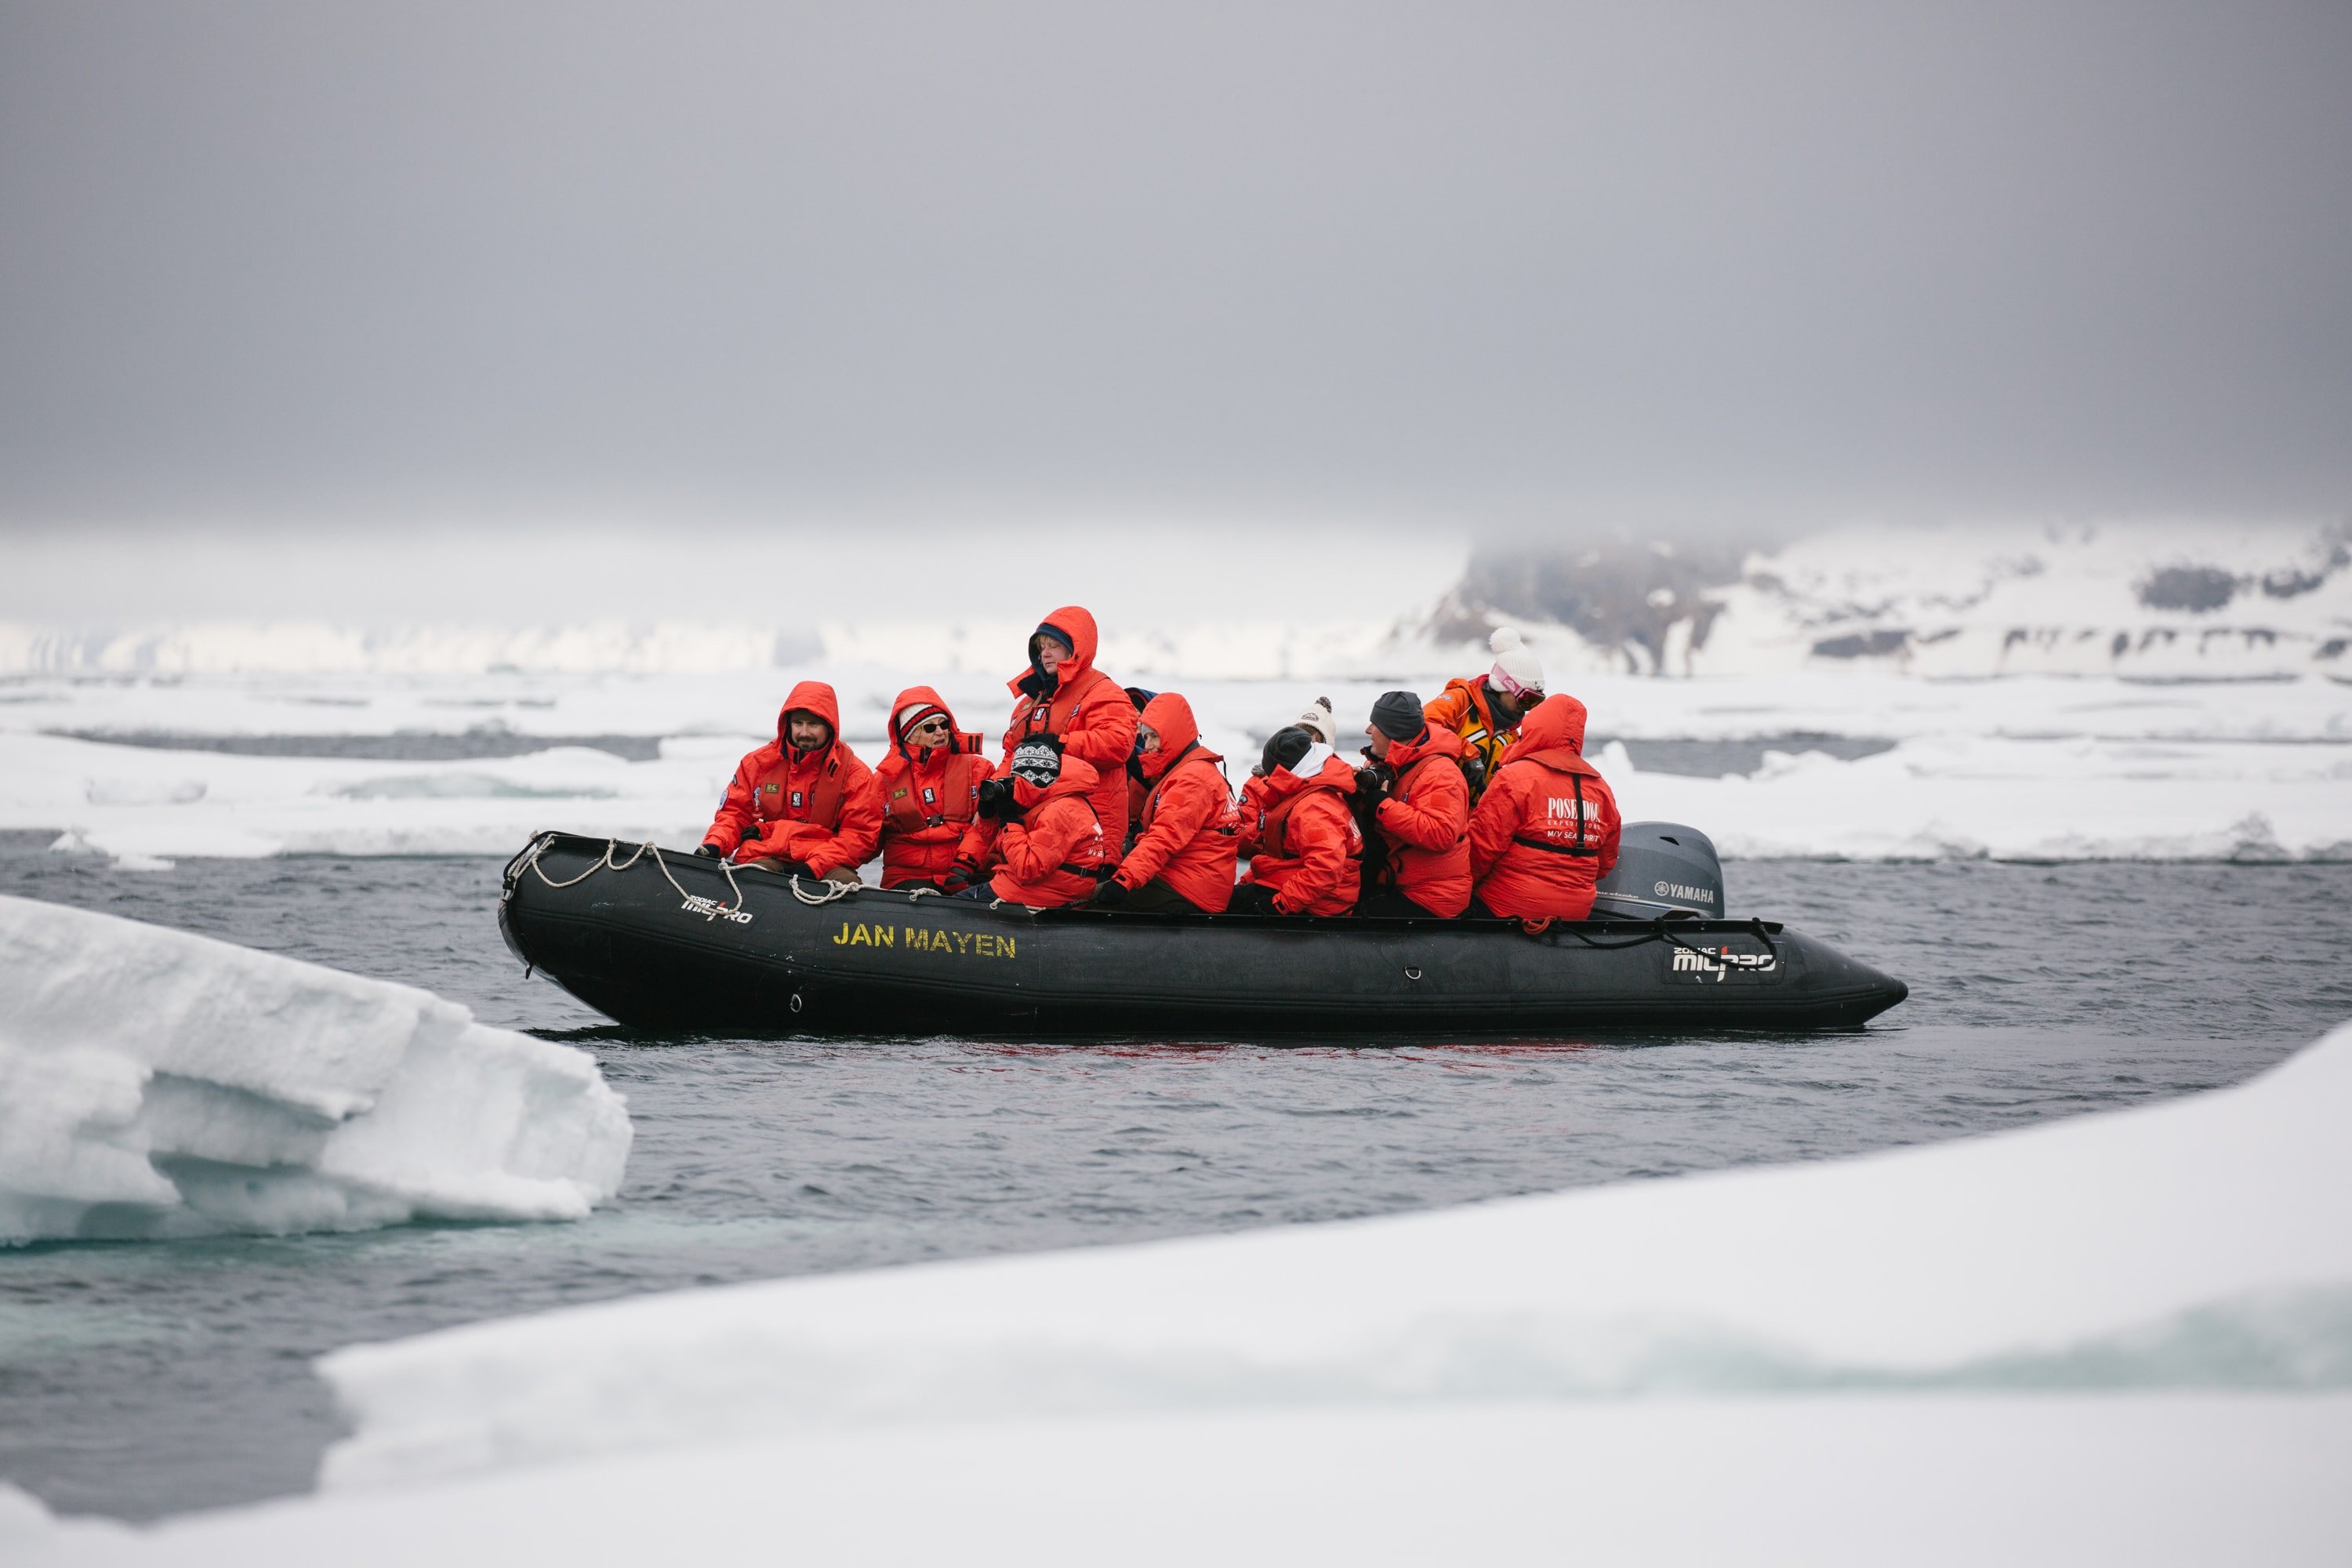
(930, 782)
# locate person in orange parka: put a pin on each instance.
(804, 803)
(1420, 804)
(1485, 710)
(1050, 845)
(1186, 845)
(930, 786)
(1062, 696)
(1545, 830)
(1302, 839)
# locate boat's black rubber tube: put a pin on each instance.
(660, 946)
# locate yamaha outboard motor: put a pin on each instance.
(1664, 870)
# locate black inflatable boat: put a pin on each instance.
(664, 940)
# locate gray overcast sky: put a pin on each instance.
(1470, 263)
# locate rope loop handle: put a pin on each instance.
(606, 862)
(832, 891)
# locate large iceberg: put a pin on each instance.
(154, 1083)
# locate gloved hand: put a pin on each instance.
(784, 866)
(1252, 899)
(712, 851)
(1109, 894)
(844, 877)
(1474, 769)
(995, 801)
(962, 874)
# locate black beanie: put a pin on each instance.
(1397, 715)
(1285, 747)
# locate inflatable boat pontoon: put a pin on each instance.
(664, 940)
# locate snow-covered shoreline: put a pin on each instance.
(2038, 768)
(2160, 692)
(2149, 599)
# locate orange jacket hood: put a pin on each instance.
(1556, 726)
(1077, 777)
(812, 696)
(924, 697)
(1080, 625)
(1172, 717)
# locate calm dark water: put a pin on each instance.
(139, 1379)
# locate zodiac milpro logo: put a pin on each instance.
(713, 910)
(926, 938)
(1720, 964)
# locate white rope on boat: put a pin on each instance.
(606, 862)
(832, 890)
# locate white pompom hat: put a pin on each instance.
(1318, 722)
(1516, 669)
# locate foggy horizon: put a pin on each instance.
(1468, 273)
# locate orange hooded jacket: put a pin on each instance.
(1049, 856)
(1089, 712)
(1425, 820)
(928, 797)
(1305, 844)
(1547, 829)
(819, 806)
(1189, 830)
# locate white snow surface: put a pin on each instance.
(2144, 1481)
(2125, 1338)
(2029, 768)
(2009, 598)
(154, 1083)
(2202, 1242)
(2045, 699)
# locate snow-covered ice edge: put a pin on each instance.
(2125, 1338)
(155, 1083)
(2206, 1242)
(2032, 769)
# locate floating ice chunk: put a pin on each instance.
(465, 786)
(156, 1083)
(2198, 1243)
(143, 791)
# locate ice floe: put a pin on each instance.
(1959, 797)
(2201, 1243)
(2032, 768)
(2125, 1338)
(154, 1083)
